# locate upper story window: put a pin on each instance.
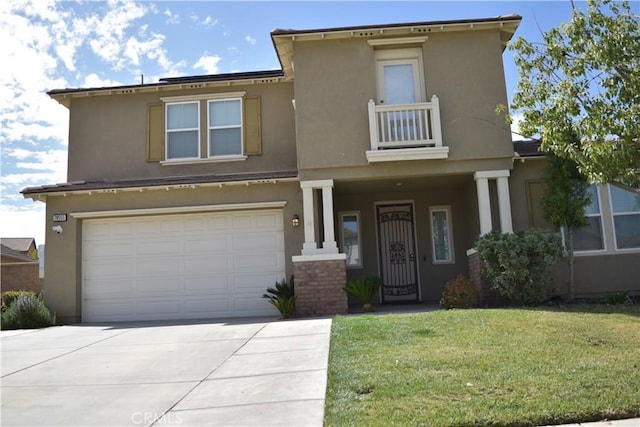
(183, 130)
(204, 128)
(225, 127)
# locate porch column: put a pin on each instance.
(309, 220)
(329, 244)
(484, 203)
(504, 204)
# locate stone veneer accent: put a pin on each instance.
(318, 287)
(486, 296)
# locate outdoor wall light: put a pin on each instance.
(295, 221)
(57, 229)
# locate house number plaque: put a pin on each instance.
(59, 217)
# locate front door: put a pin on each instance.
(397, 253)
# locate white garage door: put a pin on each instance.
(181, 266)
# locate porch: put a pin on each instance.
(412, 232)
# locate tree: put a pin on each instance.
(584, 78)
(564, 202)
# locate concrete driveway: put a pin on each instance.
(239, 372)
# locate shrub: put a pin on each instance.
(459, 293)
(517, 265)
(282, 297)
(9, 296)
(618, 298)
(26, 312)
(364, 290)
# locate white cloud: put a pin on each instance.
(250, 40)
(516, 119)
(93, 80)
(24, 222)
(208, 63)
(172, 18)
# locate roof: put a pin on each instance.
(527, 148)
(501, 18)
(6, 251)
(283, 39)
(20, 244)
(506, 23)
(110, 186)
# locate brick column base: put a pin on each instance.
(486, 297)
(318, 286)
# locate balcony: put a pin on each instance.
(405, 132)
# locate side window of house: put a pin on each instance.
(229, 128)
(350, 238)
(625, 207)
(589, 238)
(441, 234)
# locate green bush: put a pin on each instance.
(9, 296)
(27, 311)
(282, 297)
(364, 290)
(459, 293)
(517, 264)
(618, 298)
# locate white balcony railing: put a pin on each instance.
(405, 125)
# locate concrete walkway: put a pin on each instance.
(246, 372)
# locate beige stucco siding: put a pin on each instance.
(336, 79)
(107, 135)
(64, 251)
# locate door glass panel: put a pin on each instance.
(399, 84)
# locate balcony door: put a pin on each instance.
(400, 77)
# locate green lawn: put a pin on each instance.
(485, 367)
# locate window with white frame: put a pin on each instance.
(225, 127)
(441, 234)
(183, 130)
(625, 208)
(590, 237)
(350, 238)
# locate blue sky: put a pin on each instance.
(46, 44)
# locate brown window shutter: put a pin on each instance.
(155, 132)
(251, 121)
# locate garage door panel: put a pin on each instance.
(111, 249)
(112, 268)
(170, 308)
(181, 266)
(158, 267)
(257, 262)
(214, 244)
(162, 286)
(109, 288)
(208, 306)
(257, 242)
(159, 247)
(214, 284)
(207, 264)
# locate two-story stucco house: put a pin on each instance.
(375, 150)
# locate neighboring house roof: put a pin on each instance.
(20, 244)
(7, 252)
(527, 148)
(168, 183)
